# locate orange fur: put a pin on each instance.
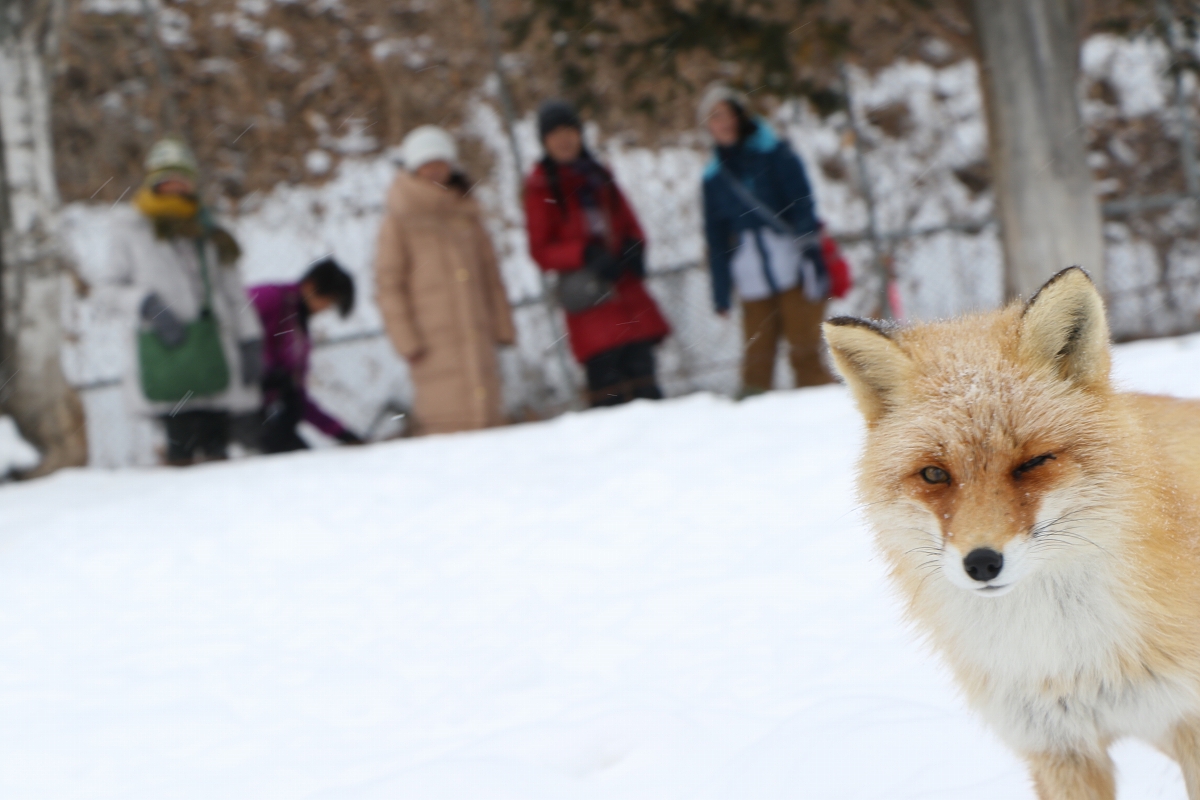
(1091, 630)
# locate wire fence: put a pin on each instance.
(704, 351)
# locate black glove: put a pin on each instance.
(166, 326)
(287, 402)
(348, 437)
(601, 263)
(251, 359)
(633, 257)
(820, 289)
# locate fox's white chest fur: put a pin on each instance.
(1048, 665)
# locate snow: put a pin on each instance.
(1136, 68)
(656, 601)
(16, 454)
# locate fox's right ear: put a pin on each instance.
(1063, 330)
(873, 365)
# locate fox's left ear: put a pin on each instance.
(1064, 329)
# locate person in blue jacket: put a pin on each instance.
(763, 241)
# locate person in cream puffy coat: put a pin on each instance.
(439, 289)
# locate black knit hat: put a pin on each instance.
(555, 114)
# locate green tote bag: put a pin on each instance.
(197, 366)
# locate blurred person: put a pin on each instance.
(764, 241)
(285, 310)
(581, 228)
(440, 292)
(197, 342)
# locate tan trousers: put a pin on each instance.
(793, 316)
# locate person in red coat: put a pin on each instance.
(582, 229)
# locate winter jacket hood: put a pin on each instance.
(412, 195)
(762, 141)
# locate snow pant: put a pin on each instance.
(622, 374)
(192, 433)
(281, 414)
(793, 316)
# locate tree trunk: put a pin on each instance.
(1029, 61)
(35, 392)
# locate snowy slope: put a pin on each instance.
(659, 601)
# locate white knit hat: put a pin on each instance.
(719, 93)
(427, 143)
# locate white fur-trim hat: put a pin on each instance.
(719, 93)
(427, 143)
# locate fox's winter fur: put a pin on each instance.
(999, 435)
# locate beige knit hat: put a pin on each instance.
(718, 92)
(172, 153)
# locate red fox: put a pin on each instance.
(1043, 528)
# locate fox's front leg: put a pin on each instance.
(1185, 749)
(1073, 776)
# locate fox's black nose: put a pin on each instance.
(983, 563)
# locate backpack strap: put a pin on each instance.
(206, 308)
(760, 208)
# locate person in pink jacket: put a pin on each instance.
(284, 309)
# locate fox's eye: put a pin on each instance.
(1032, 463)
(935, 475)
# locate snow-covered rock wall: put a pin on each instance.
(923, 143)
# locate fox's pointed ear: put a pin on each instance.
(873, 365)
(1063, 329)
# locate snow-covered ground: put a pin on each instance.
(673, 600)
